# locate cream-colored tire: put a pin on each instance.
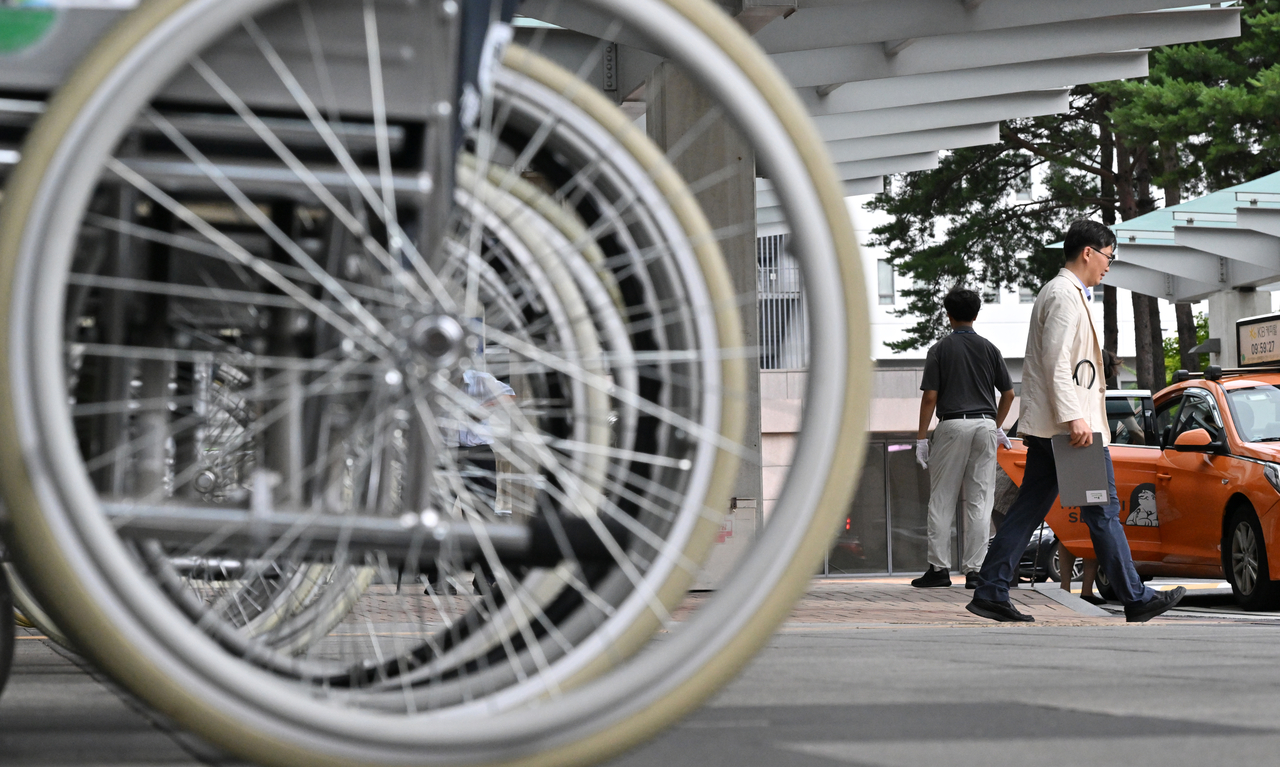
(30, 610)
(8, 630)
(561, 668)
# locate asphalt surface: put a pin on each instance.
(865, 674)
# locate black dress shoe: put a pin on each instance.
(1093, 599)
(971, 580)
(933, 578)
(997, 611)
(1160, 603)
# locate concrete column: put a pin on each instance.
(674, 106)
(1224, 309)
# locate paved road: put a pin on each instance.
(870, 673)
(57, 711)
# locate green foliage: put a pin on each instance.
(1207, 116)
(1215, 101)
(1173, 355)
(962, 222)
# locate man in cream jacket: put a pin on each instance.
(1062, 393)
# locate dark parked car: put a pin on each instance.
(1040, 560)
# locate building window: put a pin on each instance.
(884, 274)
(784, 324)
(1026, 296)
(990, 295)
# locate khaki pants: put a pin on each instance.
(962, 454)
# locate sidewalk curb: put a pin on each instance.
(1071, 601)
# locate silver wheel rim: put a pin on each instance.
(1244, 558)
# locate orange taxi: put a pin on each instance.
(1197, 471)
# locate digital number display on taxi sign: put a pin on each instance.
(1258, 340)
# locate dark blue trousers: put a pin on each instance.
(1035, 498)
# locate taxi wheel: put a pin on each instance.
(1245, 562)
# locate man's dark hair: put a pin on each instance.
(962, 304)
(1086, 234)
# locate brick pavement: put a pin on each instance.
(894, 602)
(848, 602)
(888, 602)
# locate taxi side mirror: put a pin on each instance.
(1198, 441)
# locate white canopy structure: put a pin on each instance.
(1225, 240)
(1223, 247)
(890, 82)
(893, 82)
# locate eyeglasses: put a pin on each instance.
(1111, 257)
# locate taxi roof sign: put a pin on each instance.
(1258, 340)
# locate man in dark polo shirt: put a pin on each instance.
(961, 376)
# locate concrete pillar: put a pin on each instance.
(674, 105)
(1224, 309)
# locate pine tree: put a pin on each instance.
(1205, 118)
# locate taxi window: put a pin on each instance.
(1124, 416)
(1166, 416)
(1198, 412)
(1256, 413)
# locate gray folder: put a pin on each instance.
(1082, 472)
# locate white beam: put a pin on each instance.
(879, 166)
(879, 21)
(634, 67)
(851, 63)
(856, 186)
(1208, 271)
(767, 198)
(931, 87)
(1152, 282)
(1242, 245)
(1265, 220)
(1139, 279)
(893, 47)
(1243, 275)
(943, 114)
(1179, 261)
(887, 166)
(770, 221)
(873, 147)
(755, 15)
(567, 14)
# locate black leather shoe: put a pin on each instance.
(1162, 602)
(1093, 599)
(971, 580)
(997, 611)
(933, 578)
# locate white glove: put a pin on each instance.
(1002, 439)
(922, 453)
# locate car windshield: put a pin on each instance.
(1257, 413)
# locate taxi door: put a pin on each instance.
(1135, 453)
(1191, 487)
(1135, 449)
